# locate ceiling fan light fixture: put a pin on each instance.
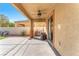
(39, 13)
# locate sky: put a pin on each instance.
(11, 12)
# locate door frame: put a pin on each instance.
(53, 21)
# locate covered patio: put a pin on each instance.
(61, 27)
(39, 14)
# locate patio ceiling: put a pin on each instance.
(31, 10)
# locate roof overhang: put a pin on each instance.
(30, 9)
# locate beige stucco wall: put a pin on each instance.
(67, 29)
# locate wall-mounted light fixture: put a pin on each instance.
(59, 26)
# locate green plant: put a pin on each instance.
(4, 22)
(2, 37)
(11, 24)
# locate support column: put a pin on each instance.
(31, 31)
(47, 26)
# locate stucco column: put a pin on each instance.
(31, 31)
(47, 26)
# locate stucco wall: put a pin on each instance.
(67, 29)
(15, 30)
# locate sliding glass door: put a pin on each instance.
(50, 31)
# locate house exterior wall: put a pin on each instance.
(26, 24)
(67, 29)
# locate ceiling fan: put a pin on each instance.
(39, 12)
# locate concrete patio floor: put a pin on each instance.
(22, 46)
